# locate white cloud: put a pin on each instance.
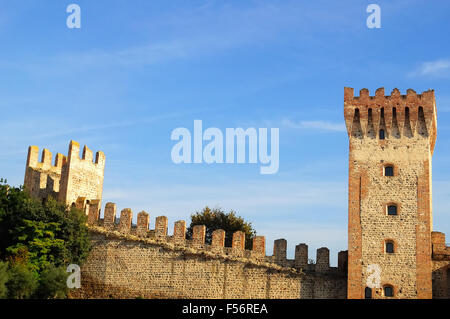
(437, 68)
(317, 125)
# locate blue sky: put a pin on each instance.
(133, 73)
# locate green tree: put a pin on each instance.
(22, 281)
(39, 240)
(52, 283)
(217, 219)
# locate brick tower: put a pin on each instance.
(391, 142)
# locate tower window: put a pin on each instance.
(381, 134)
(389, 170)
(368, 293)
(392, 210)
(388, 291)
(389, 247)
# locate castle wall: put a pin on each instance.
(128, 263)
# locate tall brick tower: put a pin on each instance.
(391, 141)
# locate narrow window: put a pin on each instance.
(388, 291)
(368, 293)
(389, 247)
(392, 210)
(389, 170)
(381, 134)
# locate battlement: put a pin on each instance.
(87, 155)
(124, 228)
(42, 179)
(72, 180)
(396, 115)
(45, 164)
(439, 248)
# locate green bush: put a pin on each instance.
(22, 282)
(37, 242)
(52, 283)
(217, 219)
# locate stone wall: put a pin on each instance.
(441, 266)
(130, 261)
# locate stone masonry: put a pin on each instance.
(129, 261)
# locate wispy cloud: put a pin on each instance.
(437, 68)
(316, 125)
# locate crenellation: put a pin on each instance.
(218, 240)
(398, 115)
(74, 151)
(161, 225)
(343, 261)
(110, 215)
(87, 154)
(198, 236)
(179, 232)
(93, 212)
(259, 246)
(279, 251)
(100, 159)
(238, 243)
(323, 260)
(60, 160)
(301, 256)
(126, 216)
(33, 156)
(46, 159)
(143, 222)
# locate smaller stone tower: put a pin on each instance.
(71, 180)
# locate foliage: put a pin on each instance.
(38, 241)
(52, 283)
(217, 219)
(22, 281)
